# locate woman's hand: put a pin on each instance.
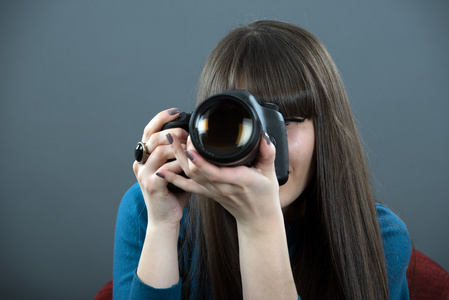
(158, 264)
(250, 194)
(164, 208)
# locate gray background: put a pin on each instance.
(80, 79)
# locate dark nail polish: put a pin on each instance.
(189, 156)
(169, 138)
(267, 138)
(173, 111)
(160, 175)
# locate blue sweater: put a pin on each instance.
(130, 234)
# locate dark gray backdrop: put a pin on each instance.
(80, 79)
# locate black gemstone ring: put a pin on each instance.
(141, 153)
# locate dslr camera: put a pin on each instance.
(226, 128)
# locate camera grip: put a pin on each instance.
(275, 128)
(181, 122)
(281, 162)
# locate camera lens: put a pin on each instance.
(226, 131)
(224, 128)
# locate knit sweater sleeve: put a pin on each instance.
(397, 249)
(129, 237)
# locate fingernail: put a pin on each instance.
(160, 175)
(267, 138)
(189, 156)
(173, 111)
(169, 138)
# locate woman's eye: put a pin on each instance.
(293, 120)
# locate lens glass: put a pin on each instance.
(225, 128)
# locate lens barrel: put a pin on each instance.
(226, 130)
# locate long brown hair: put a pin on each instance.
(339, 251)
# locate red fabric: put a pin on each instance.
(105, 293)
(426, 279)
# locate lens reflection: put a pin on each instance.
(225, 128)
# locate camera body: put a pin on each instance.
(226, 128)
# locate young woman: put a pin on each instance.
(234, 233)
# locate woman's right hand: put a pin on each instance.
(164, 207)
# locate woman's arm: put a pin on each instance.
(129, 239)
(157, 266)
(251, 195)
(264, 261)
(397, 249)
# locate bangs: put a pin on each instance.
(272, 71)
(271, 66)
(292, 105)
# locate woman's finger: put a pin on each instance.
(157, 158)
(160, 138)
(158, 121)
(267, 155)
(202, 170)
(172, 166)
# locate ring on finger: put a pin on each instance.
(141, 153)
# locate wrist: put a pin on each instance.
(166, 221)
(166, 230)
(268, 227)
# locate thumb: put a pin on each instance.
(267, 154)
